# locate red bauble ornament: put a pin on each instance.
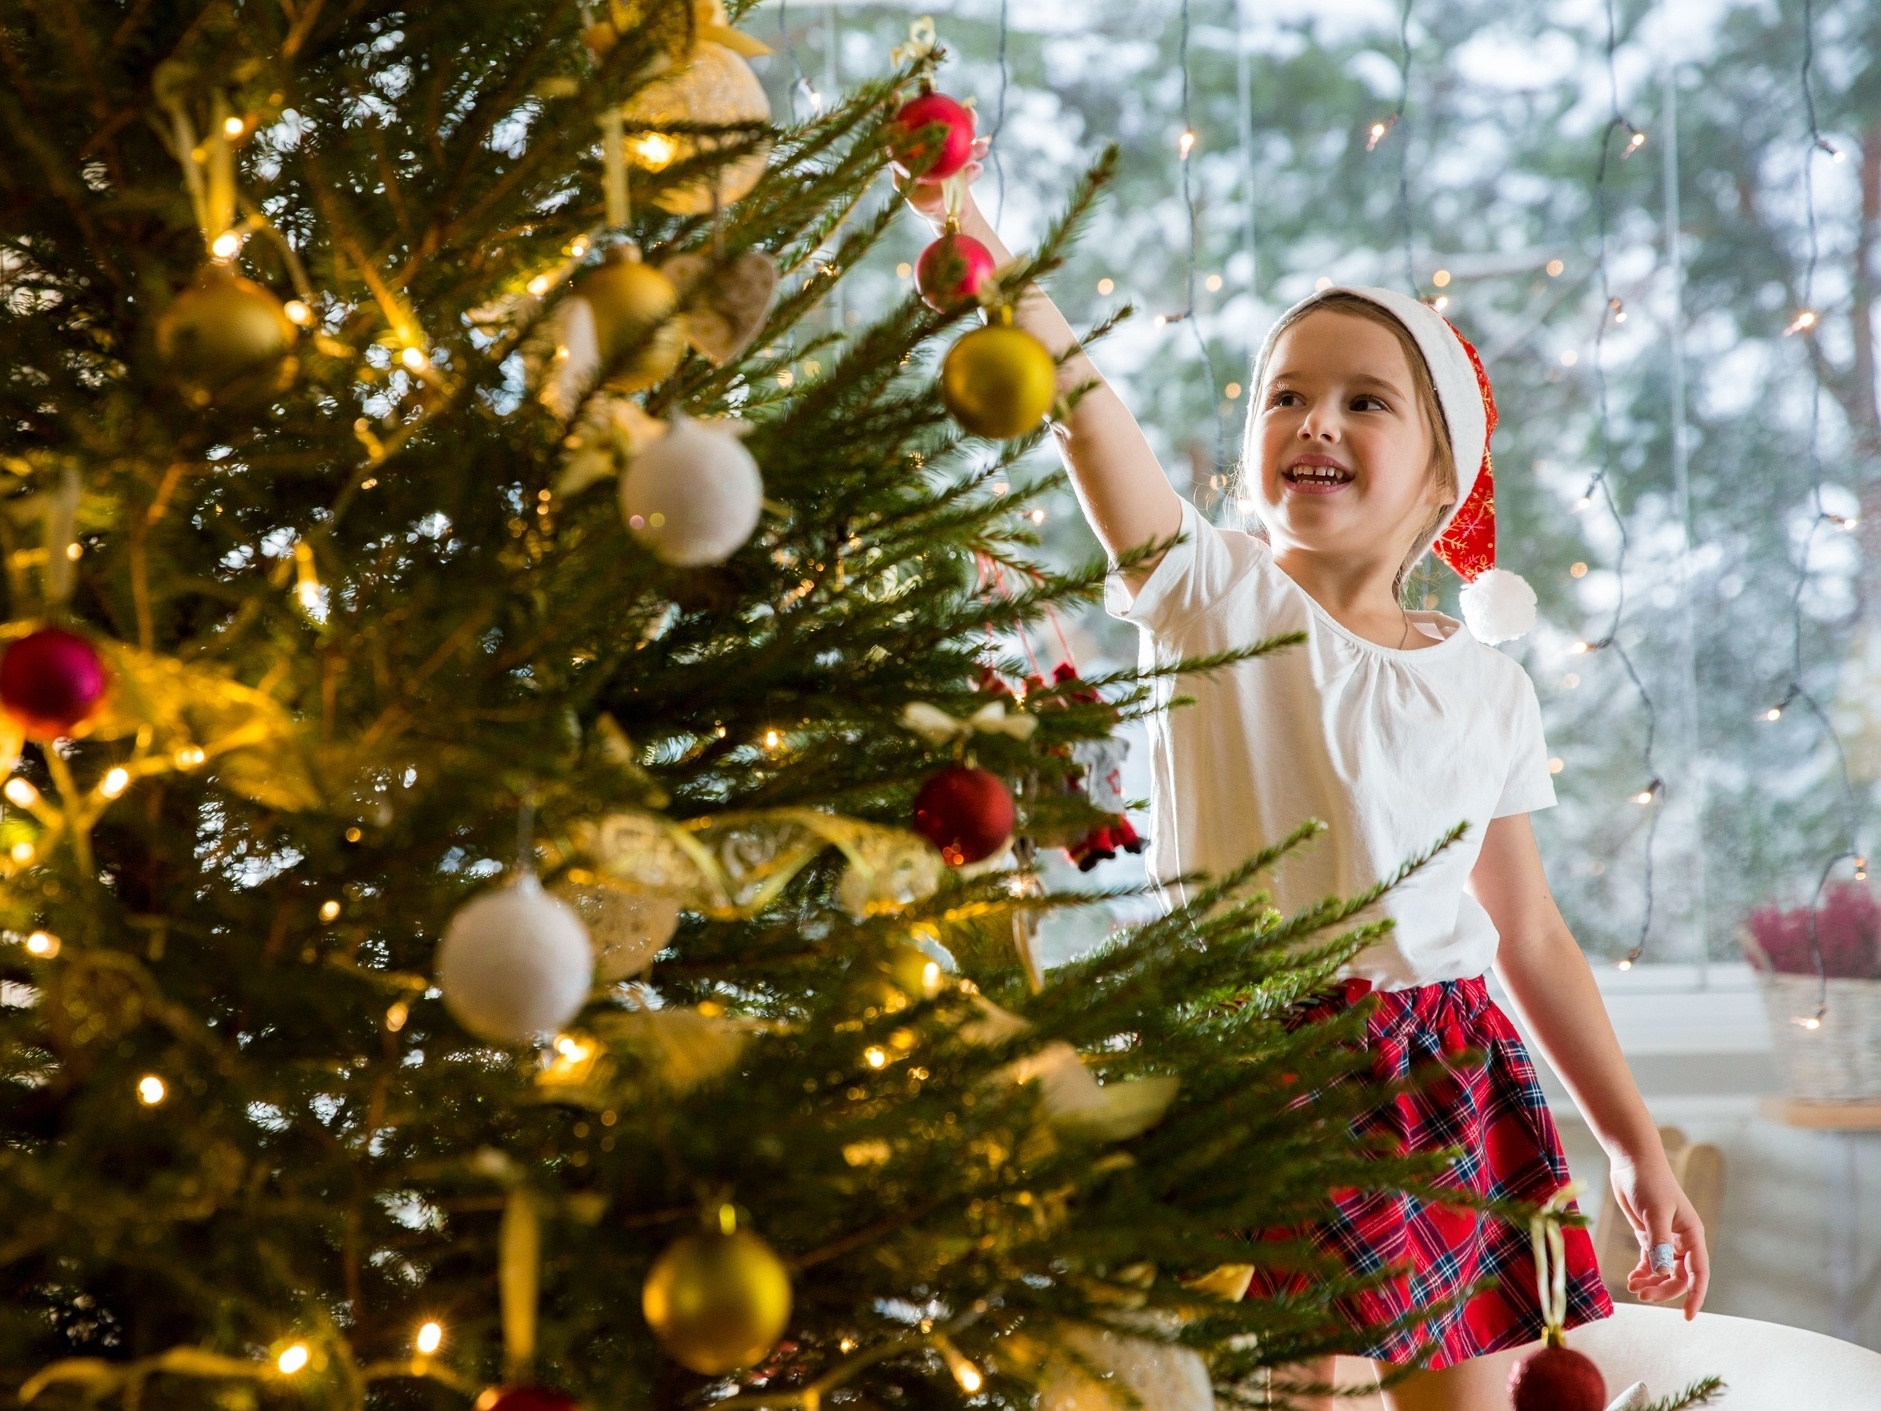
(50, 681)
(965, 812)
(1557, 1379)
(914, 143)
(526, 1399)
(950, 271)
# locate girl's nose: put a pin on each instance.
(1317, 427)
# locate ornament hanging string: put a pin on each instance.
(519, 1273)
(1550, 1245)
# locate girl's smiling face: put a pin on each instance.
(1346, 447)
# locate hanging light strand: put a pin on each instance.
(1612, 311)
(1404, 145)
(1797, 693)
(999, 117)
(1185, 151)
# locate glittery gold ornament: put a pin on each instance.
(226, 339)
(637, 332)
(714, 87)
(718, 1300)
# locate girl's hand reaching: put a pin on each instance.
(1659, 1213)
(929, 198)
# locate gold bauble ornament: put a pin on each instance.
(637, 332)
(718, 1300)
(226, 338)
(714, 87)
(914, 972)
(998, 381)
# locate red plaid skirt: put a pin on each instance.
(1495, 1117)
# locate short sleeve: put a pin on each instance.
(1191, 575)
(1529, 785)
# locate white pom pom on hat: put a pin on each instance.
(1497, 604)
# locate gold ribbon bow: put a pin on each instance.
(713, 26)
(937, 727)
(922, 42)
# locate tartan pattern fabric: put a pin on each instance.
(1494, 1115)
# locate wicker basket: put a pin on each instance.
(1837, 1061)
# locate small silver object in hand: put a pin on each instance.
(1664, 1258)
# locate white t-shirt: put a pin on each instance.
(1390, 749)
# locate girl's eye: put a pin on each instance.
(1283, 397)
(1368, 403)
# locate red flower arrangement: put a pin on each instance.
(1848, 934)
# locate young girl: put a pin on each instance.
(1368, 429)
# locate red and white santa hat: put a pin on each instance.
(1497, 605)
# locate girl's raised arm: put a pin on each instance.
(1126, 498)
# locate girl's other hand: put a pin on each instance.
(1659, 1213)
(929, 198)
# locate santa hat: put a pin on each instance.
(1497, 605)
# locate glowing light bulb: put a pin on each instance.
(396, 1016)
(1037, 516)
(21, 792)
(189, 757)
(875, 1056)
(1185, 144)
(430, 1338)
(43, 944)
(1581, 648)
(292, 1359)
(1161, 319)
(1861, 869)
(572, 1048)
(21, 853)
(539, 285)
(1624, 964)
(224, 246)
(1441, 278)
(655, 149)
(329, 910)
(150, 1090)
(1440, 303)
(1555, 267)
(1634, 143)
(297, 312)
(772, 739)
(1212, 283)
(1774, 713)
(1376, 132)
(233, 126)
(115, 782)
(1106, 285)
(415, 359)
(1802, 323)
(1809, 1021)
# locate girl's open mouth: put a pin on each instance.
(1316, 479)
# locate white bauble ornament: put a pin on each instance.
(515, 964)
(1117, 1371)
(628, 928)
(693, 497)
(1498, 606)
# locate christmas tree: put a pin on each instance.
(521, 838)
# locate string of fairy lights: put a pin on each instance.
(1613, 313)
(1804, 325)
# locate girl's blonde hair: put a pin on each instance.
(1442, 467)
